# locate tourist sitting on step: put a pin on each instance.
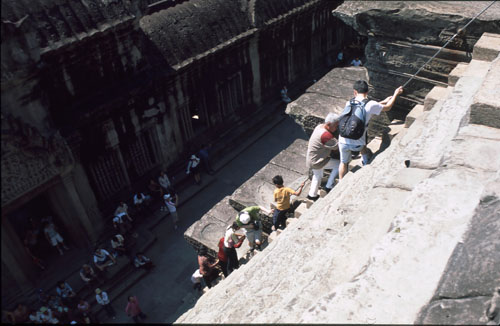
(141, 261)
(46, 316)
(321, 143)
(103, 259)
(91, 277)
(66, 293)
(84, 311)
(123, 209)
(282, 198)
(122, 223)
(364, 111)
(232, 240)
(53, 237)
(249, 220)
(208, 268)
(102, 298)
(120, 245)
(193, 168)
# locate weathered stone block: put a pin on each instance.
(405, 178)
(486, 109)
(436, 94)
(456, 73)
(301, 209)
(487, 48)
(293, 158)
(211, 227)
(416, 112)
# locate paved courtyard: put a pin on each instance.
(166, 292)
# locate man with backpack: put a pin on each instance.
(354, 122)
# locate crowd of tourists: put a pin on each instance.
(332, 145)
(65, 305)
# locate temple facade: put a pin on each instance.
(98, 96)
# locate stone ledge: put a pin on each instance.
(436, 94)
(456, 73)
(416, 112)
(487, 48)
(486, 108)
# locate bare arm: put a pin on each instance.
(391, 101)
(298, 192)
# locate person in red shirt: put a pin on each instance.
(134, 310)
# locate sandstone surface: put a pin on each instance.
(388, 243)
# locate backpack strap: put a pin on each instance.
(362, 106)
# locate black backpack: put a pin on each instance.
(352, 121)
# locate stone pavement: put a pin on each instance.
(166, 292)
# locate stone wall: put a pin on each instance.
(402, 36)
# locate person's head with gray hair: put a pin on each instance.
(332, 121)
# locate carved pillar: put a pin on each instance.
(15, 258)
(67, 205)
(255, 62)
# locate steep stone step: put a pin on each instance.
(486, 108)
(456, 73)
(487, 48)
(416, 112)
(436, 94)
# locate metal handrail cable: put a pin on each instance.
(447, 42)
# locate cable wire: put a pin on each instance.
(451, 39)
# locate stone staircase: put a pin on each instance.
(412, 237)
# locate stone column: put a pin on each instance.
(255, 62)
(67, 205)
(15, 258)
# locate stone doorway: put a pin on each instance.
(32, 215)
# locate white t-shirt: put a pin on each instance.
(356, 63)
(170, 205)
(230, 239)
(371, 108)
(102, 258)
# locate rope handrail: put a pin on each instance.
(451, 39)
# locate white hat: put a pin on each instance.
(167, 196)
(193, 157)
(244, 217)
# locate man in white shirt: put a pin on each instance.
(371, 108)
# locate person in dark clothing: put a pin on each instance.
(207, 267)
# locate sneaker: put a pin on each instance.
(328, 189)
(313, 198)
(370, 156)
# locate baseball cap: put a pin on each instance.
(244, 217)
